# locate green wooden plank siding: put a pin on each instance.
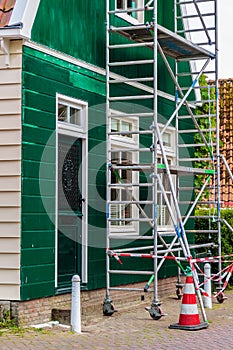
(43, 77)
(76, 28)
(38, 233)
(73, 27)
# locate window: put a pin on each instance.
(68, 114)
(122, 126)
(133, 17)
(121, 177)
(164, 218)
(121, 211)
(168, 138)
(71, 115)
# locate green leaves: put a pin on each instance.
(206, 123)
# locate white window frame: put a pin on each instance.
(81, 132)
(124, 142)
(170, 149)
(129, 18)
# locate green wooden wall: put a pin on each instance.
(43, 77)
(76, 28)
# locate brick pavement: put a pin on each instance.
(134, 329)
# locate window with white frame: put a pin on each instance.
(131, 16)
(164, 219)
(121, 212)
(71, 114)
(121, 179)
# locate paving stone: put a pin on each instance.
(133, 328)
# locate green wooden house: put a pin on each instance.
(52, 145)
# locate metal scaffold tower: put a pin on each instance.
(153, 162)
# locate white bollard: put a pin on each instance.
(207, 286)
(75, 305)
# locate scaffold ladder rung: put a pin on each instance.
(148, 182)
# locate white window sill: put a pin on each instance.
(120, 230)
(128, 18)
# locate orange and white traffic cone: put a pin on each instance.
(189, 318)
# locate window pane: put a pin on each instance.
(62, 113)
(75, 116)
(125, 127)
(114, 125)
(115, 157)
(120, 4)
(166, 137)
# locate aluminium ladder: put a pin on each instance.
(138, 160)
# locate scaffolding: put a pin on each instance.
(153, 161)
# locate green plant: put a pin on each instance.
(206, 123)
(210, 223)
(8, 325)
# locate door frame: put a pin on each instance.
(81, 132)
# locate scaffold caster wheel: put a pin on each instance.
(155, 312)
(108, 308)
(221, 297)
(179, 293)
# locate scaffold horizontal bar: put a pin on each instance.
(130, 289)
(128, 10)
(181, 169)
(189, 74)
(127, 98)
(114, 150)
(181, 117)
(191, 2)
(136, 255)
(129, 115)
(129, 28)
(129, 272)
(129, 63)
(196, 144)
(130, 202)
(129, 237)
(196, 160)
(201, 231)
(129, 80)
(123, 46)
(192, 246)
(195, 30)
(195, 131)
(205, 43)
(140, 184)
(134, 249)
(197, 87)
(204, 217)
(195, 16)
(202, 101)
(133, 167)
(131, 219)
(134, 132)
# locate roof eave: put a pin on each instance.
(21, 21)
(12, 33)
